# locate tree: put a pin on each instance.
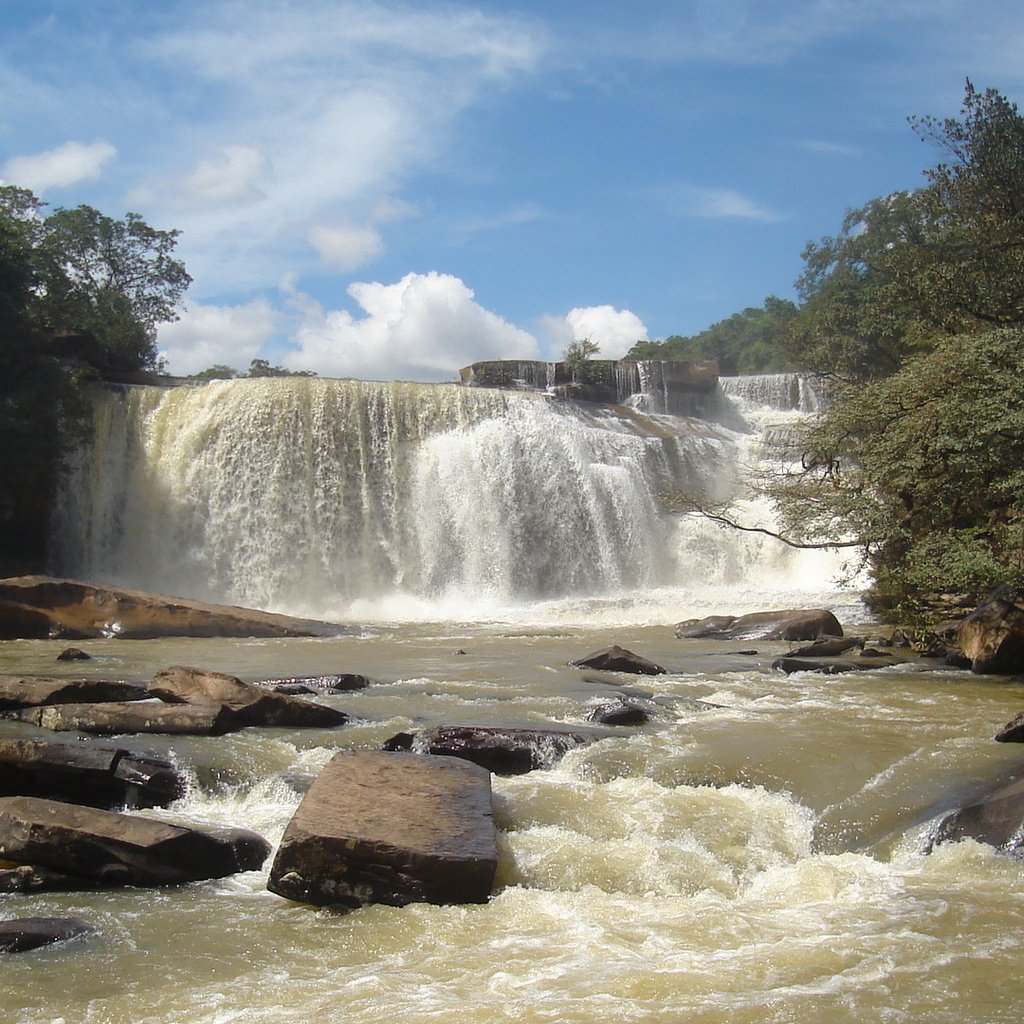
(262, 368)
(746, 342)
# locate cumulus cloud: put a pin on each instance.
(228, 177)
(424, 327)
(615, 330)
(57, 168)
(208, 335)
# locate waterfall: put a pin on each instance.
(348, 498)
(782, 392)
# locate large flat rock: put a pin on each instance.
(120, 719)
(391, 828)
(36, 691)
(789, 624)
(78, 773)
(121, 849)
(45, 606)
(997, 818)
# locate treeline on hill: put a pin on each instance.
(81, 295)
(915, 310)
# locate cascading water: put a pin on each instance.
(339, 498)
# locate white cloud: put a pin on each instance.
(231, 176)
(424, 327)
(829, 148)
(346, 246)
(208, 335)
(692, 201)
(615, 330)
(57, 168)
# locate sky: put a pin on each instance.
(393, 190)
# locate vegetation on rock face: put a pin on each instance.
(748, 342)
(78, 284)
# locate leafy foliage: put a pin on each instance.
(746, 342)
(257, 368)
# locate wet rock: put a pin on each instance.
(26, 878)
(73, 654)
(37, 691)
(874, 652)
(1013, 731)
(137, 717)
(45, 606)
(827, 648)
(337, 682)
(23, 933)
(504, 751)
(253, 705)
(956, 658)
(992, 636)
(619, 712)
(97, 776)
(826, 668)
(802, 624)
(996, 818)
(390, 828)
(121, 849)
(618, 659)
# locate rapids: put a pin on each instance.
(761, 861)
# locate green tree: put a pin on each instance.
(262, 368)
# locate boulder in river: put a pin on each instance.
(1013, 731)
(253, 705)
(46, 606)
(121, 849)
(996, 818)
(618, 659)
(36, 691)
(146, 716)
(620, 711)
(792, 624)
(335, 682)
(499, 749)
(78, 773)
(23, 933)
(390, 828)
(992, 636)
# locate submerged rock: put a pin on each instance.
(45, 606)
(619, 712)
(251, 704)
(23, 933)
(121, 849)
(97, 776)
(504, 751)
(826, 668)
(27, 878)
(37, 691)
(73, 654)
(390, 828)
(800, 624)
(997, 819)
(992, 636)
(1013, 731)
(827, 648)
(336, 682)
(618, 659)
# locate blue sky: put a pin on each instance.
(380, 189)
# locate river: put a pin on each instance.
(758, 861)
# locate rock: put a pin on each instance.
(618, 659)
(504, 751)
(36, 691)
(992, 636)
(390, 828)
(997, 819)
(121, 849)
(803, 624)
(23, 933)
(73, 654)
(120, 719)
(827, 648)
(338, 682)
(874, 652)
(28, 879)
(956, 658)
(76, 773)
(827, 668)
(1013, 731)
(619, 712)
(45, 606)
(291, 689)
(253, 705)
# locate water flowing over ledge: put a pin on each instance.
(339, 499)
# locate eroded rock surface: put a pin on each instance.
(36, 691)
(791, 624)
(391, 828)
(618, 659)
(992, 636)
